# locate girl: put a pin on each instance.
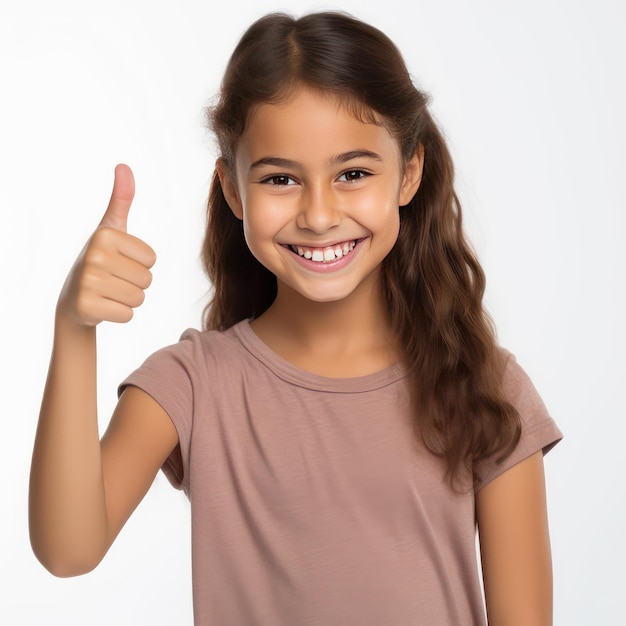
(345, 419)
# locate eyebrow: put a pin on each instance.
(337, 160)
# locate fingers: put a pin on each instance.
(108, 238)
(120, 255)
(111, 282)
(107, 298)
(116, 215)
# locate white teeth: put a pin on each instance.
(320, 255)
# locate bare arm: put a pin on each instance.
(515, 546)
(77, 503)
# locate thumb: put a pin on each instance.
(122, 196)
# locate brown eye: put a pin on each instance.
(353, 176)
(279, 180)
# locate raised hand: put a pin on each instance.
(111, 273)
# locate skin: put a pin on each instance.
(515, 546)
(82, 490)
(339, 179)
(306, 173)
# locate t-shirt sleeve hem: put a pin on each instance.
(174, 466)
(544, 437)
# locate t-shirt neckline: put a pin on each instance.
(303, 378)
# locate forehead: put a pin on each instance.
(311, 124)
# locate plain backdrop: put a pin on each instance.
(531, 96)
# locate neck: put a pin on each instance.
(349, 337)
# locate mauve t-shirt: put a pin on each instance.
(312, 503)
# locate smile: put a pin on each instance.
(326, 254)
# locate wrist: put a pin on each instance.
(66, 324)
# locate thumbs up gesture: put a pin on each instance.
(111, 273)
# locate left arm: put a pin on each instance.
(515, 546)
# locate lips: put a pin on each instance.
(325, 254)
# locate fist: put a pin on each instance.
(111, 273)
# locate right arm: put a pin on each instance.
(82, 490)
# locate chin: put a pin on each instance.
(324, 295)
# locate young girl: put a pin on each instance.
(346, 418)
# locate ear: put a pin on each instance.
(229, 188)
(412, 176)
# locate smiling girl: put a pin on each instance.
(345, 420)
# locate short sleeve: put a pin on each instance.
(539, 431)
(168, 376)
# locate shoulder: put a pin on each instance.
(200, 343)
(539, 431)
(195, 351)
(519, 390)
(174, 373)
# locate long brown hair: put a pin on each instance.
(431, 280)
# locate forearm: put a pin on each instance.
(67, 507)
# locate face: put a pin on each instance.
(319, 193)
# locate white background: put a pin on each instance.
(531, 96)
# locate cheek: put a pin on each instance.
(393, 228)
(262, 222)
(253, 230)
(380, 212)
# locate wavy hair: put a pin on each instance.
(431, 280)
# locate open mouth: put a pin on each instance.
(326, 254)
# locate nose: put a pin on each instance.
(318, 211)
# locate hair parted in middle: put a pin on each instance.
(431, 280)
